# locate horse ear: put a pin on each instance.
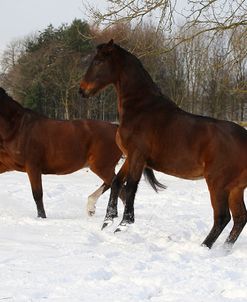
(110, 45)
(106, 48)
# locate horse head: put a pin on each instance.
(102, 71)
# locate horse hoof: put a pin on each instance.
(41, 215)
(91, 212)
(227, 247)
(107, 222)
(123, 227)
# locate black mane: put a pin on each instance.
(138, 63)
(10, 106)
(2, 92)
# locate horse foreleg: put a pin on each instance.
(134, 174)
(239, 214)
(36, 185)
(116, 187)
(219, 200)
(122, 194)
(3, 168)
(92, 199)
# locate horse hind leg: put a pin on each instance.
(239, 214)
(36, 185)
(222, 215)
(92, 199)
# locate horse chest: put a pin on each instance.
(12, 162)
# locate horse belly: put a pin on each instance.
(61, 170)
(185, 168)
(64, 165)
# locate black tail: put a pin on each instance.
(150, 177)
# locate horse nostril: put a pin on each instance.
(81, 92)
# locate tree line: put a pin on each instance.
(202, 75)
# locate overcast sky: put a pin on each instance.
(20, 18)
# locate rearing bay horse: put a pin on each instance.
(32, 143)
(154, 132)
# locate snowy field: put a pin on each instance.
(67, 258)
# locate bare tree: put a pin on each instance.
(11, 54)
(216, 16)
(125, 11)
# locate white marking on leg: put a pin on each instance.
(92, 199)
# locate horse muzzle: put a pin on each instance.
(87, 89)
(83, 93)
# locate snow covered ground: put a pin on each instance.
(67, 258)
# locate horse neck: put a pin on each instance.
(12, 108)
(134, 82)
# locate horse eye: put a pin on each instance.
(97, 62)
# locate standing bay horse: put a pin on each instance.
(35, 144)
(155, 133)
